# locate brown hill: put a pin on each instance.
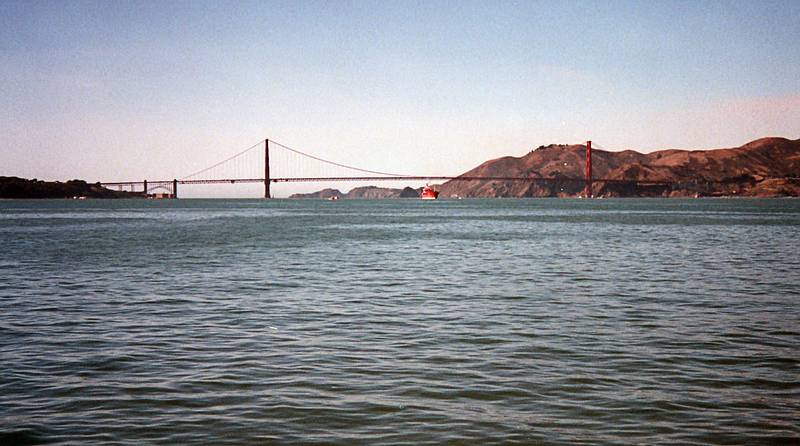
(765, 167)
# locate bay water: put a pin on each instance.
(504, 321)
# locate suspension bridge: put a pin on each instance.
(283, 164)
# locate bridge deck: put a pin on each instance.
(387, 178)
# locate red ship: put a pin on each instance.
(428, 193)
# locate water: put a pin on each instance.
(400, 322)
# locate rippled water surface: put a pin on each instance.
(400, 322)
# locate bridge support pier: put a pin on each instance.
(174, 188)
(145, 188)
(587, 192)
(266, 169)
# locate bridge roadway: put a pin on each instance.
(388, 178)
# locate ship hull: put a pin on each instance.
(428, 193)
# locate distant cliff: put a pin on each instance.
(14, 187)
(768, 167)
(367, 192)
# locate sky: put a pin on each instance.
(128, 90)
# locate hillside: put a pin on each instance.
(367, 192)
(15, 187)
(765, 167)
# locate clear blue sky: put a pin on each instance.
(132, 90)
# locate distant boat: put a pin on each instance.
(428, 193)
(333, 198)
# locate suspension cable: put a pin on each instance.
(301, 153)
(337, 164)
(224, 161)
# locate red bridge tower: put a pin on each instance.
(587, 192)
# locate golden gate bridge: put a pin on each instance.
(283, 164)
